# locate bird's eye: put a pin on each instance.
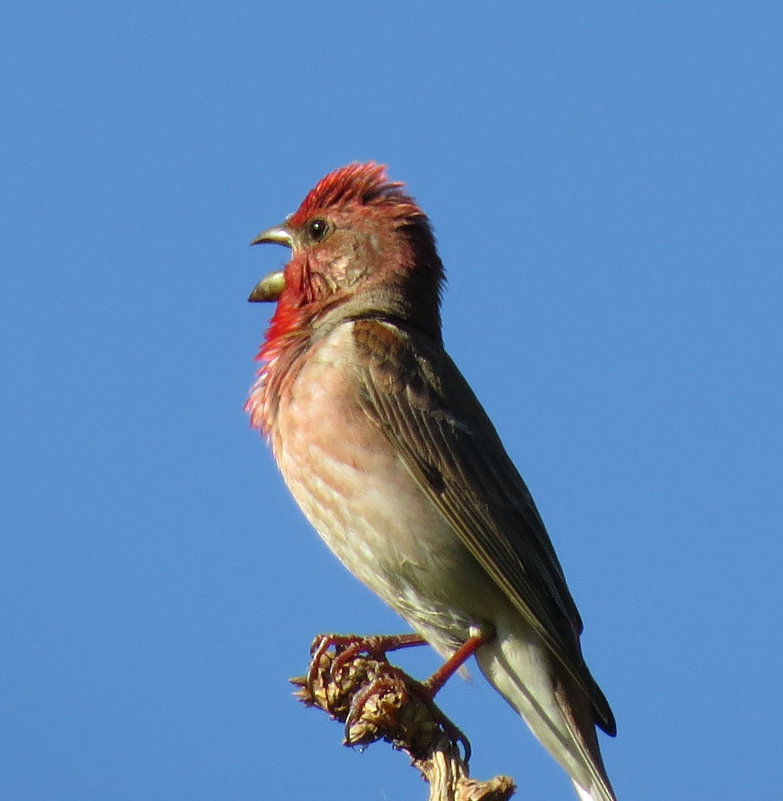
(317, 229)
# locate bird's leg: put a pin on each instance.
(436, 681)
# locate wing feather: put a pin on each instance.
(418, 397)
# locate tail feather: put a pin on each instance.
(584, 736)
(594, 793)
(555, 708)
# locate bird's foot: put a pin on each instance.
(395, 683)
(351, 678)
(348, 646)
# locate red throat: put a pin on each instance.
(285, 327)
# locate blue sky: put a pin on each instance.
(605, 184)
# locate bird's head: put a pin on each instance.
(361, 242)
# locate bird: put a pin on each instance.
(393, 460)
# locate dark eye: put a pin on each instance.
(317, 229)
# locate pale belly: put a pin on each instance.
(361, 498)
(364, 502)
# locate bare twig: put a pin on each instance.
(378, 701)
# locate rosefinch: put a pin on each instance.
(393, 460)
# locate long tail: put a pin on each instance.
(554, 707)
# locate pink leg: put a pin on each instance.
(436, 681)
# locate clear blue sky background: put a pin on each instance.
(605, 183)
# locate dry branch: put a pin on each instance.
(378, 701)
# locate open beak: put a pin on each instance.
(270, 286)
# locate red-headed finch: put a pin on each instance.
(393, 460)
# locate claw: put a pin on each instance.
(351, 678)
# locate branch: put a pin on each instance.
(378, 701)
